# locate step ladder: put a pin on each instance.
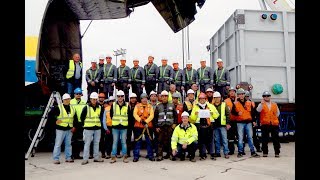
(37, 137)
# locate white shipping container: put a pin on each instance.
(258, 51)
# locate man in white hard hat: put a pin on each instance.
(66, 121)
(269, 120)
(91, 118)
(184, 139)
(178, 76)
(74, 73)
(108, 76)
(165, 75)
(165, 120)
(152, 74)
(221, 125)
(132, 103)
(123, 77)
(153, 99)
(92, 78)
(205, 75)
(188, 103)
(221, 78)
(100, 68)
(191, 75)
(138, 78)
(209, 93)
(119, 115)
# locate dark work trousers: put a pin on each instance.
(77, 142)
(124, 87)
(100, 89)
(102, 144)
(205, 139)
(204, 87)
(137, 144)
(222, 90)
(274, 130)
(164, 140)
(129, 142)
(150, 86)
(91, 89)
(155, 142)
(108, 89)
(232, 134)
(165, 85)
(255, 138)
(191, 149)
(211, 149)
(136, 88)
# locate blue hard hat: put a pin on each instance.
(77, 90)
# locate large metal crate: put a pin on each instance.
(258, 51)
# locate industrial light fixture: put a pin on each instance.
(273, 16)
(264, 16)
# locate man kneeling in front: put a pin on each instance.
(183, 139)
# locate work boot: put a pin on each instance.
(254, 154)
(113, 159)
(192, 159)
(70, 160)
(135, 160)
(277, 155)
(167, 156)
(151, 159)
(239, 155)
(160, 158)
(84, 162)
(173, 158)
(108, 157)
(98, 160)
(103, 156)
(265, 155)
(226, 156)
(56, 162)
(125, 159)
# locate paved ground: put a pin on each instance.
(268, 168)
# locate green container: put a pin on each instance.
(277, 89)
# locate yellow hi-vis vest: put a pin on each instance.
(120, 116)
(189, 105)
(223, 114)
(170, 97)
(71, 69)
(182, 136)
(93, 117)
(78, 107)
(195, 118)
(67, 119)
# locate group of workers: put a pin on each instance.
(211, 115)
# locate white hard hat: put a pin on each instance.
(133, 95)
(219, 60)
(164, 93)
(185, 113)
(202, 60)
(66, 96)
(209, 90)
(111, 98)
(175, 62)
(189, 62)
(164, 58)
(216, 94)
(190, 91)
(94, 95)
(108, 55)
(123, 57)
(135, 59)
(152, 92)
(101, 56)
(120, 93)
(93, 61)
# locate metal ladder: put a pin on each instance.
(32, 148)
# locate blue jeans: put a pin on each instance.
(136, 150)
(220, 134)
(247, 127)
(88, 136)
(116, 133)
(61, 136)
(71, 86)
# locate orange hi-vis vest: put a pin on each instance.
(109, 120)
(269, 116)
(230, 105)
(246, 111)
(144, 112)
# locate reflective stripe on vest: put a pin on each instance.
(104, 71)
(93, 76)
(120, 116)
(93, 117)
(165, 117)
(189, 105)
(219, 78)
(202, 71)
(67, 119)
(71, 69)
(77, 107)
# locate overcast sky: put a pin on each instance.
(145, 32)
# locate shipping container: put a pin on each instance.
(258, 47)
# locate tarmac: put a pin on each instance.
(264, 168)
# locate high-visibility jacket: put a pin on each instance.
(182, 136)
(78, 106)
(67, 119)
(246, 111)
(223, 114)
(108, 117)
(194, 118)
(70, 72)
(230, 105)
(92, 117)
(120, 116)
(179, 109)
(269, 116)
(143, 113)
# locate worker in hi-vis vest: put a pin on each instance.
(73, 74)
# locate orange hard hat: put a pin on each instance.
(202, 95)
